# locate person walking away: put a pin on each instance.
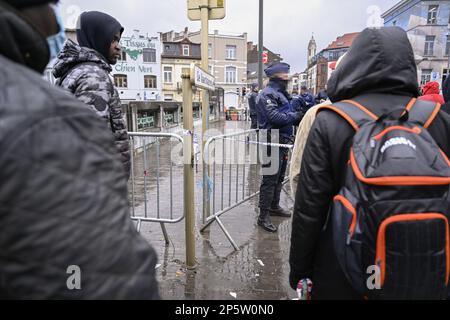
(431, 92)
(252, 96)
(65, 224)
(379, 75)
(84, 70)
(275, 113)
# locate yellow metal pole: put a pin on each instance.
(204, 7)
(189, 184)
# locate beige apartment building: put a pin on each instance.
(177, 55)
(227, 62)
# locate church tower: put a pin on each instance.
(312, 49)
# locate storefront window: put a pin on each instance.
(196, 112)
(146, 120)
(169, 118)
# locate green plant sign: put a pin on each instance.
(134, 54)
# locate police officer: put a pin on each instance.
(274, 111)
(252, 97)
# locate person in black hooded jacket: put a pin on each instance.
(380, 73)
(64, 215)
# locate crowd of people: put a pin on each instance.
(65, 161)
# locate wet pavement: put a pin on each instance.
(259, 271)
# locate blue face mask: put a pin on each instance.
(56, 42)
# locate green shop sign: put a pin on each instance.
(146, 122)
(135, 47)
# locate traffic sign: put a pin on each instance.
(216, 9)
(202, 79)
(265, 57)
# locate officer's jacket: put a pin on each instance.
(275, 111)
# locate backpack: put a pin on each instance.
(390, 220)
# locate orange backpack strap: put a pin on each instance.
(423, 112)
(352, 112)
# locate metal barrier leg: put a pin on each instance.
(219, 222)
(164, 231)
(138, 227)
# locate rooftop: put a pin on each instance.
(344, 41)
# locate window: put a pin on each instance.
(447, 47)
(168, 97)
(185, 50)
(123, 56)
(146, 120)
(210, 50)
(149, 55)
(121, 80)
(231, 52)
(334, 56)
(150, 82)
(432, 14)
(429, 45)
(230, 75)
(168, 74)
(169, 117)
(426, 76)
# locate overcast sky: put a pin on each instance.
(288, 24)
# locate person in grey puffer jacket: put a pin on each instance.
(84, 70)
(63, 196)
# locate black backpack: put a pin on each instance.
(390, 220)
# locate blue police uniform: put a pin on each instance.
(252, 99)
(275, 112)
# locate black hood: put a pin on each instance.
(446, 89)
(20, 42)
(379, 61)
(96, 31)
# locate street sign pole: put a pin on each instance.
(189, 182)
(204, 11)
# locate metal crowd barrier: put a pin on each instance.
(153, 170)
(234, 175)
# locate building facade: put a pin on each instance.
(253, 64)
(227, 62)
(137, 75)
(177, 55)
(428, 26)
(319, 71)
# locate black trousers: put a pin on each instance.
(271, 185)
(254, 121)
